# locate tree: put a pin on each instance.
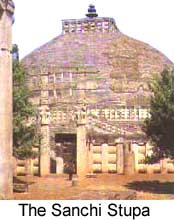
(160, 126)
(24, 129)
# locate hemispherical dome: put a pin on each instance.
(125, 64)
(84, 49)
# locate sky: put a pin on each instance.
(39, 21)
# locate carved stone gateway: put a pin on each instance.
(6, 20)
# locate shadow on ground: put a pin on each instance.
(152, 187)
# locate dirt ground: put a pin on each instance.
(154, 186)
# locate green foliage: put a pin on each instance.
(160, 126)
(151, 159)
(24, 129)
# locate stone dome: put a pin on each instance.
(91, 49)
(125, 64)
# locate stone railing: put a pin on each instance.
(109, 127)
(106, 158)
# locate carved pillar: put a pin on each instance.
(44, 127)
(29, 167)
(164, 164)
(90, 157)
(59, 159)
(59, 165)
(150, 168)
(82, 150)
(6, 161)
(104, 158)
(129, 159)
(120, 158)
(135, 150)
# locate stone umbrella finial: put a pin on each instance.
(91, 11)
